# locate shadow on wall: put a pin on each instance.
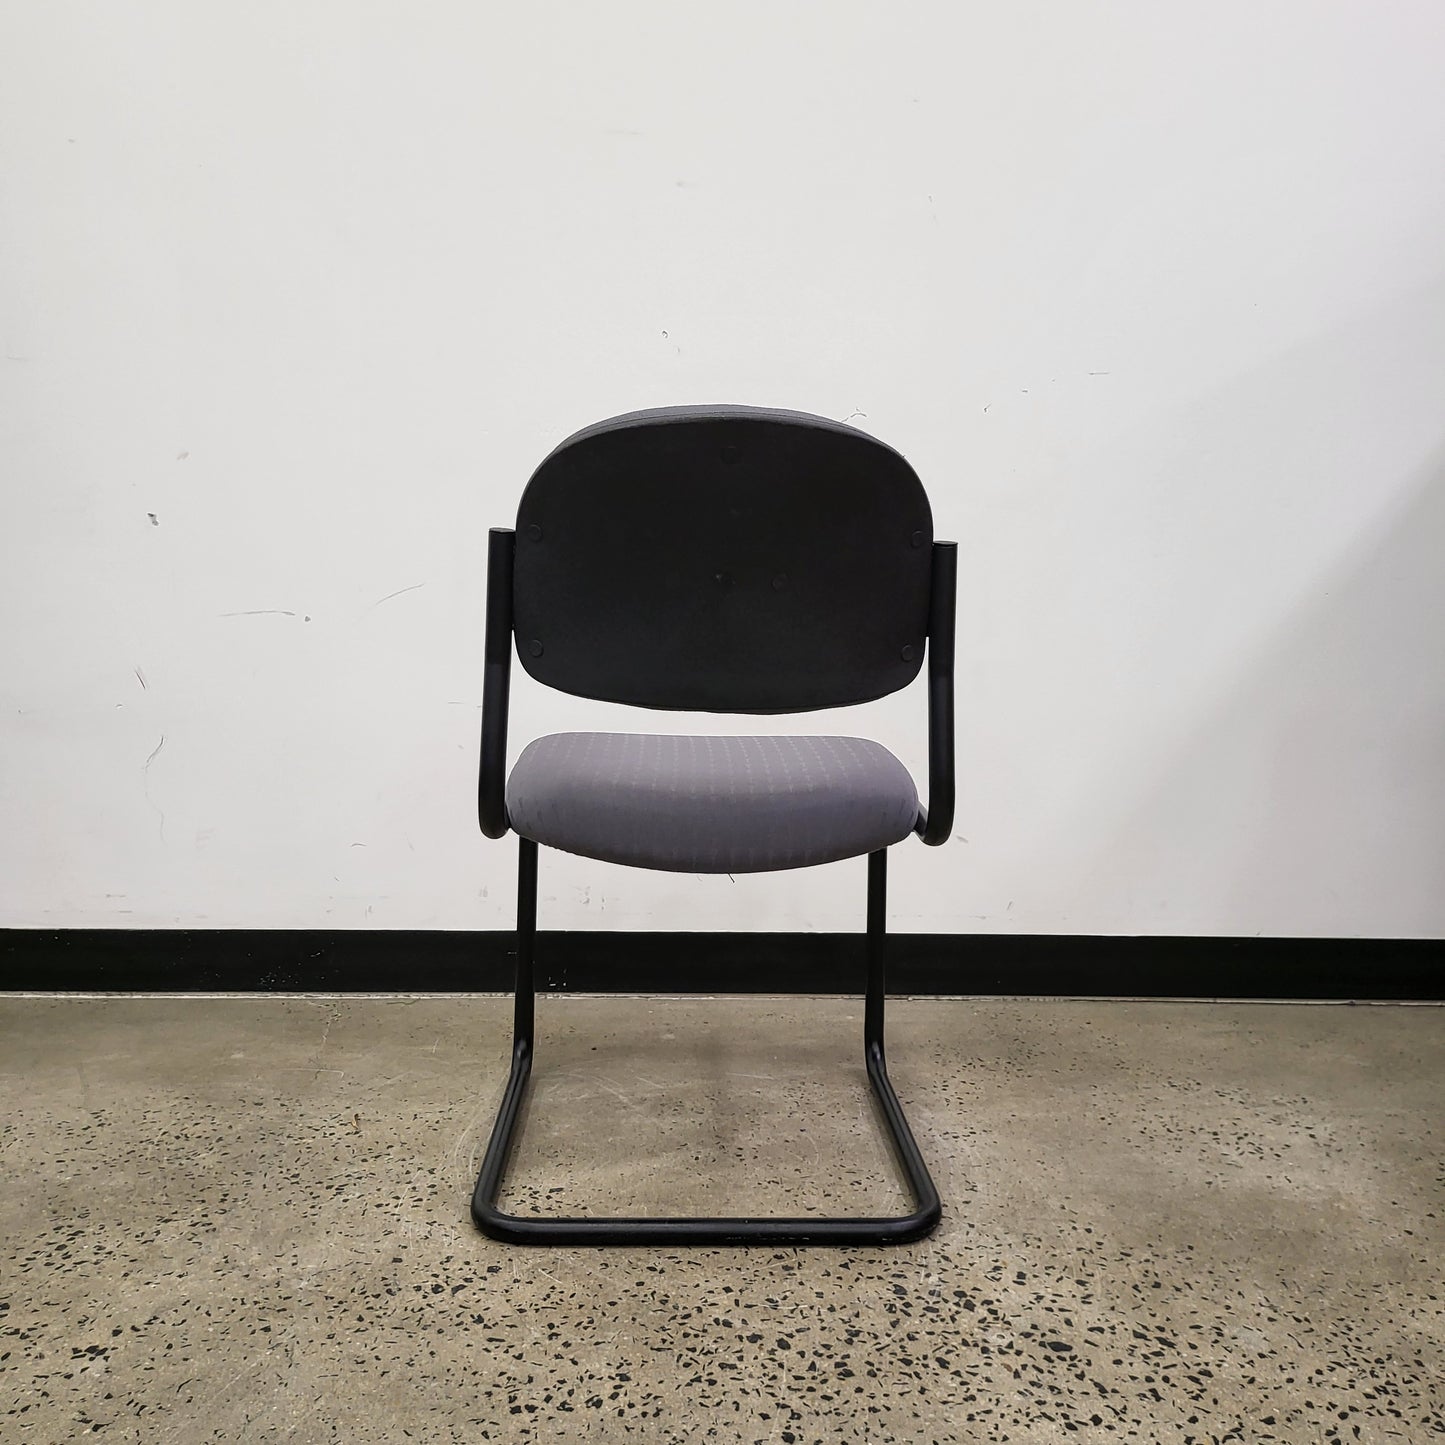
(1310, 800)
(1316, 793)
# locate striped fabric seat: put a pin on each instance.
(710, 804)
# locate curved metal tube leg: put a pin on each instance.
(519, 1229)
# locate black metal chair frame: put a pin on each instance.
(933, 826)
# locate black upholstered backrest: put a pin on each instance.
(723, 559)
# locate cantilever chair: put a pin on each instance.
(719, 559)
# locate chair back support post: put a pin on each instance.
(496, 683)
(937, 820)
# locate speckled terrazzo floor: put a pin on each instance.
(246, 1220)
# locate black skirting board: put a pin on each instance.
(364, 961)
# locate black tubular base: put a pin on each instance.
(766, 1230)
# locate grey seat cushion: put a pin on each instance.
(710, 804)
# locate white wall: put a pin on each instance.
(1153, 296)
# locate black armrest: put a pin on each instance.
(935, 822)
(496, 684)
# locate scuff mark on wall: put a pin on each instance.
(397, 593)
(145, 773)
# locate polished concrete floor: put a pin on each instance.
(246, 1220)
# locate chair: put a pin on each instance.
(720, 559)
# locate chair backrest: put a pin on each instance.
(723, 559)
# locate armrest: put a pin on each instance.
(935, 822)
(496, 684)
